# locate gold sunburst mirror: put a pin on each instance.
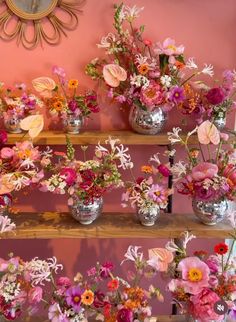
(49, 19)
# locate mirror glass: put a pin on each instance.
(32, 6)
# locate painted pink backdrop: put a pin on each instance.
(205, 27)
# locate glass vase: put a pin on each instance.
(147, 122)
(86, 213)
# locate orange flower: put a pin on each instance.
(87, 298)
(143, 69)
(146, 169)
(194, 153)
(58, 105)
(73, 83)
(179, 64)
(113, 285)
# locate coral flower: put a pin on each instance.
(204, 170)
(87, 298)
(195, 274)
(143, 69)
(221, 248)
(73, 83)
(113, 285)
(58, 105)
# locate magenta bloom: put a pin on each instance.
(69, 174)
(213, 263)
(106, 269)
(125, 315)
(215, 96)
(176, 95)
(73, 297)
(152, 96)
(204, 170)
(195, 274)
(164, 170)
(202, 194)
(157, 193)
(63, 282)
(202, 306)
(73, 105)
(3, 137)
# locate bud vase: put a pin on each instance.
(219, 121)
(147, 122)
(210, 212)
(12, 124)
(73, 123)
(148, 218)
(86, 213)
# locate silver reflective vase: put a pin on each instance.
(219, 122)
(73, 124)
(146, 122)
(210, 212)
(12, 125)
(6, 202)
(148, 219)
(86, 213)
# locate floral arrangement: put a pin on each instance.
(90, 179)
(62, 97)
(21, 285)
(104, 296)
(139, 72)
(208, 175)
(148, 192)
(17, 102)
(201, 281)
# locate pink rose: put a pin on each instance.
(215, 96)
(63, 282)
(204, 170)
(35, 295)
(7, 153)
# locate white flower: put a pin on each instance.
(191, 64)
(155, 158)
(192, 132)
(6, 224)
(124, 158)
(179, 169)
(231, 216)
(139, 81)
(186, 238)
(171, 246)
(130, 13)
(208, 70)
(166, 80)
(133, 254)
(41, 270)
(144, 60)
(170, 153)
(106, 41)
(174, 137)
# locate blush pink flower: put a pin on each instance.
(152, 96)
(7, 153)
(230, 173)
(35, 295)
(202, 306)
(208, 133)
(195, 274)
(169, 48)
(158, 194)
(204, 170)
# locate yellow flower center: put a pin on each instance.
(157, 193)
(176, 94)
(195, 275)
(151, 93)
(172, 47)
(76, 299)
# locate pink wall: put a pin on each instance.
(205, 27)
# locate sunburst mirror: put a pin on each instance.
(49, 19)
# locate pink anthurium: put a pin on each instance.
(114, 74)
(208, 133)
(160, 258)
(44, 86)
(34, 124)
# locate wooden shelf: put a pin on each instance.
(110, 225)
(93, 137)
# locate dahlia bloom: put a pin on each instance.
(152, 95)
(204, 170)
(195, 274)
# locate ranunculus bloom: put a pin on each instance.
(202, 194)
(202, 306)
(69, 174)
(35, 295)
(63, 281)
(7, 153)
(195, 274)
(204, 170)
(125, 315)
(208, 133)
(215, 96)
(213, 263)
(152, 96)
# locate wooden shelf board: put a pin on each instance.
(93, 137)
(110, 225)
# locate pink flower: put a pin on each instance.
(63, 282)
(158, 194)
(215, 96)
(230, 173)
(204, 170)
(152, 96)
(208, 133)
(35, 295)
(114, 74)
(169, 48)
(164, 170)
(213, 263)
(69, 174)
(7, 153)
(147, 42)
(3, 137)
(59, 71)
(202, 306)
(176, 94)
(224, 136)
(195, 274)
(55, 314)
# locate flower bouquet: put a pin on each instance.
(104, 296)
(19, 285)
(87, 181)
(150, 78)
(64, 102)
(203, 286)
(209, 176)
(148, 193)
(16, 103)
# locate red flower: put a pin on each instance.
(113, 285)
(200, 253)
(215, 96)
(221, 249)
